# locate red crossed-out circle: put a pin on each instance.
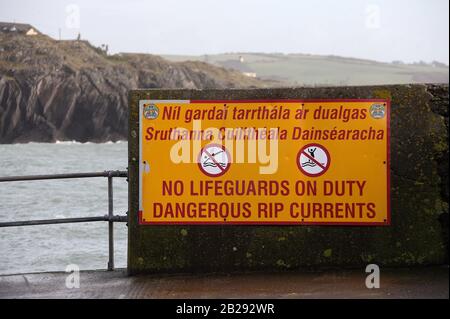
(205, 151)
(303, 152)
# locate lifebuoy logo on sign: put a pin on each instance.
(151, 111)
(377, 111)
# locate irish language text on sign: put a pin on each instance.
(264, 162)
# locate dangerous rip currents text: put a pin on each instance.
(297, 210)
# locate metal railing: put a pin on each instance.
(110, 218)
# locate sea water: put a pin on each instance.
(54, 247)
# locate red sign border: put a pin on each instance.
(386, 222)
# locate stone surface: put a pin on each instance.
(394, 283)
(418, 234)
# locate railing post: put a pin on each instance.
(110, 217)
(110, 223)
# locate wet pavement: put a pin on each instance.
(430, 282)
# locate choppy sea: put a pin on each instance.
(53, 247)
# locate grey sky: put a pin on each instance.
(384, 30)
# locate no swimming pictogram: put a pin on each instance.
(214, 160)
(313, 160)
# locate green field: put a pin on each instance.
(317, 70)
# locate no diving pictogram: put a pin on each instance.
(313, 160)
(214, 160)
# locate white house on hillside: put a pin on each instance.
(27, 29)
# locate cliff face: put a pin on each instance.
(68, 90)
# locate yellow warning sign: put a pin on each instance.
(296, 162)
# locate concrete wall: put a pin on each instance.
(418, 234)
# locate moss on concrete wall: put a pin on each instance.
(418, 234)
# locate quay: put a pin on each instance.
(426, 282)
(267, 256)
